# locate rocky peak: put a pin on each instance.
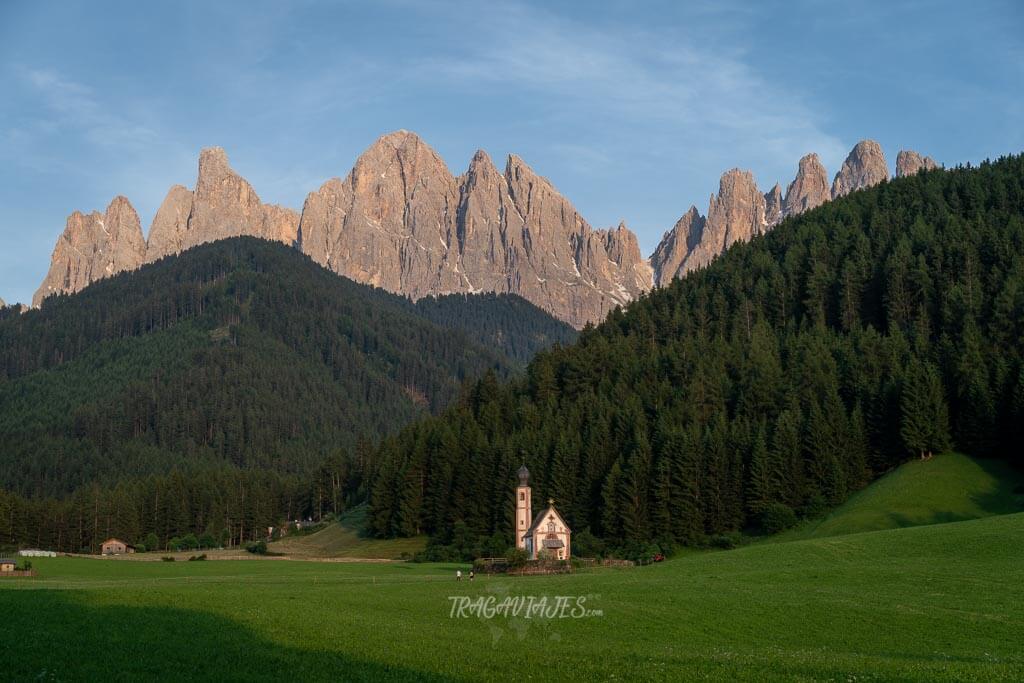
(168, 233)
(670, 257)
(809, 189)
(773, 206)
(909, 162)
(481, 169)
(93, 247)
(390, 222)
(864, 166)
(622, 245)
(402, 163)
(213, 166)
(401, 221)
(222, 205)
(736, 214)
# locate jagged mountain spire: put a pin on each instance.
(94, 246)
(736, 213)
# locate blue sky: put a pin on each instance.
(632, 109)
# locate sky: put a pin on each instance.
(632, 109)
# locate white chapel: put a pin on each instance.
(545, 536)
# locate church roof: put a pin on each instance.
(542, 515)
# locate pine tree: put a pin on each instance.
(925, 424)
(611, 517)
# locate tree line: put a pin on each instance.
(882, 326)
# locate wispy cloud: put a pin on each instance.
(678, 83)
(67, 104)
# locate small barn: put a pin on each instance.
(115, 546)
(7, 565)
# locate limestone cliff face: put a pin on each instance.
(280, 224)
(809, 188)
(389, 222)
(864, 166)
(92, 247)
(737, 213)
(909, 162)
(168, 233)
(670, 257)
(222, 205)
(773, 206)
(400, 220)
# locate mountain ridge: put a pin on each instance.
(402, 221)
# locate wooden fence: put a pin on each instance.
(18, 573)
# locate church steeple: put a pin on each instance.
(524, 509)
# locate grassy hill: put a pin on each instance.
(931, 603)
(346, 539)
(950, 487)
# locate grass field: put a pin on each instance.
(940, 602)
(948, 488)
(344, 539)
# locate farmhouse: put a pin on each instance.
(547, 536)
(115, 546)
(7, 565)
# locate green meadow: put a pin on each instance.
(928, 603)
(948, 488)
(347, 539)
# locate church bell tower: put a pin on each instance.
(524, 508)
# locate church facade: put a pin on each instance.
(544, 536)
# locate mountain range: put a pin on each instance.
(401, 221)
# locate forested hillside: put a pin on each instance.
(218, 389)
(883, 326)
(498, 321)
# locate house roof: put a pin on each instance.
(117, 540)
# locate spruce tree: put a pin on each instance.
(925, 418)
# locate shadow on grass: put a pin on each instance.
(53, 635)
(1007, 496)
(354, 519)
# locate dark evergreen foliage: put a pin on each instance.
(786, 375)
(239, 362)
(506, 322)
